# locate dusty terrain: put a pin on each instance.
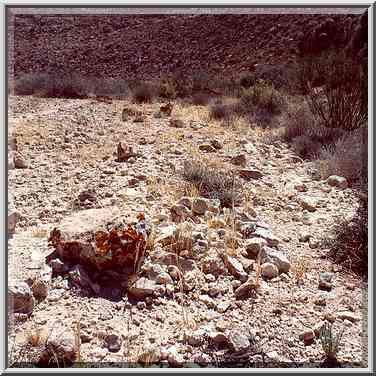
(203, 317)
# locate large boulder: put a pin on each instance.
(20, 297)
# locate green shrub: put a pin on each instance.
(247, 80)
(168, 88)
(330, 341)
(263, 96)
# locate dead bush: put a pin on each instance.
(143, 93)
(305, 147)
(347, 157)
(298, 119)
(349, 241)
(212, 183)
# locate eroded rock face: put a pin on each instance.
(98, 261)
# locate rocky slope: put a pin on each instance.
(215, 304)
(147, 46)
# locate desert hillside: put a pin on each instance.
(147, 46)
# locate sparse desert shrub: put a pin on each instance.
(143, 93)
(281, 76)
(348, 156)
(200, 81)
(30, 83)
(110, 87)
(341, 99)
(247, 80)
(263, 96)
(264, 119)
(212, 183)
(200, 99)
(298, 121)
(219, 111)
(348, 243)
(168, 88)
(306, 147)
(330, 341)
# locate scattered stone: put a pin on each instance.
(142, 287)
(167, 235)
(347, 315)
(308, 203)
(300, 187)
(214, 266)
(218, 338)
(196, 338)
(223, 306)
(19, 161)
(235, 268)
(168, 258)
(246, 290)
(20, 297)
(320, 300)
(175, 359)
(216, 144)
(278, 259)
(61, 346)
(13, 217)
(124, 152)
(164, 278)
(249, 174)
(254, 246)
(270, 238)
(202, 359)
(238, 341)
(206, 299)
(200, 205)
(269, 270)
(337, 181)
(239, 160)
(176, 123)
(307, 336)
(113, 342)
(207, 148)
(304, 236)
(325, 281)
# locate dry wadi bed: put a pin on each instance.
(221, 308)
